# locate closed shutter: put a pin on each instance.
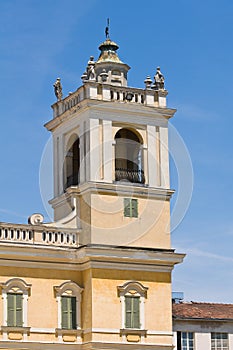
(68, 310)
(131, 207)
(14, 310)
(127, 207)
(10, 310)
(128, 312)
(135, 312)
(134, 204)
(132, 313)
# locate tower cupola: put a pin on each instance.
(109, 68)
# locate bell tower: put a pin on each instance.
(111, 187)
(111, 162)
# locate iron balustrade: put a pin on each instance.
(135, 176)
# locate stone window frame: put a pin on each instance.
(132, 288)
(16, 286)
(72, 289)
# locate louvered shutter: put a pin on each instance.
(127, 207)
(128, 312)
(14, 310)
(68, 310)
(134, 205)
(64, 312)
(135, 312)
(19, 310)
(10, 309)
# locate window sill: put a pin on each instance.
(61, 331)
(68, 335)
(126, 331)
(15, 333)
(12, 329)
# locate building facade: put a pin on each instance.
(203, 326)
(99, 276)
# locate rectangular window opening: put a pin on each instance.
(132, 312)
(185, 341)
(68, 311)
(130, 207)
(219, 341)
(14, 310)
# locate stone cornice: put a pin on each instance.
(101, 105)
(116, 188)
(90, 256)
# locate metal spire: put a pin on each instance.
(107, 29)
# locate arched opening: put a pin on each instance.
(72, 165)
(128, 157)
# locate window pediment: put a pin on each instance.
(15, 285)
(132, 287)
(69, 288)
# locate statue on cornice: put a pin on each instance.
(159, 80)
(91, 75)
(58, 89)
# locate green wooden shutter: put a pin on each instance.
(127, 207)
(135, 312)
(132, 312)
(134, 208)
(10, 310)
(68, 311)
(64, 312)
(19, 310)
(128, 312)
(131, 207)
(14, 310)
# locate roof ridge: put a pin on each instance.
(202, 303)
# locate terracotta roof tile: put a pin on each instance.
(197, 310)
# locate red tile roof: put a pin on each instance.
(196, 310)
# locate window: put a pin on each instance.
(15, 294)
(132, 297)
(132, 312)
(68, 296)
(219, 341)
(72, 162)
(14, 310)
(185, 341)
(130, 207)
(68, 312)
(129, 156)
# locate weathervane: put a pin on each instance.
(107, 29)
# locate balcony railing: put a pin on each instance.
(38, 235)
(135, 176)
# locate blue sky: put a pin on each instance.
(192, 43)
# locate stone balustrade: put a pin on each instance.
(106, 92)
(37, 235)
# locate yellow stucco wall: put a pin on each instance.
(106, 301)
(101, 307)
(149, 229)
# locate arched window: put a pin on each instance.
(15, 297)
(68, 296)
(72, 163)
(128, 157)
(132, 296)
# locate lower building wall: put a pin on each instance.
(202, 332)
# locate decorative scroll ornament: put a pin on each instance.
(36, 219)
